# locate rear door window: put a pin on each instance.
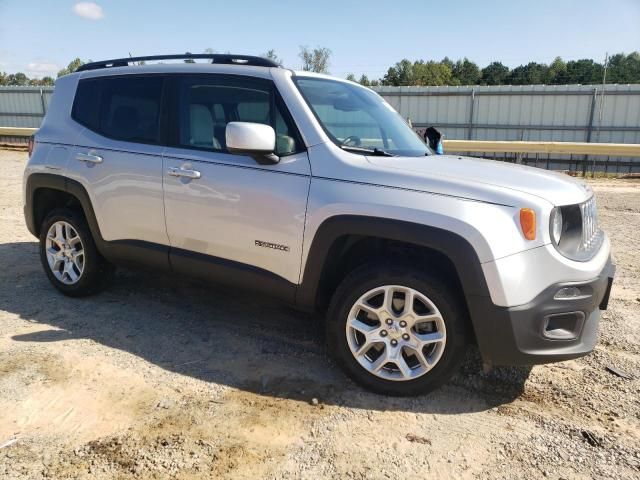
(122, 108)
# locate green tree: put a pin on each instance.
(72, 67)
(42, 82)
(464, 72)
(495, 74)
(364, 80)
(418, 73)
(530, 74)
(585, 71)
(624, 68)
(431, 73)
(17, 79)
(400, 74)
(3, 78)
(447, 61)
(316, 60)
(558, 74)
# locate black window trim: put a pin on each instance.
(172, 83)
(160, 134)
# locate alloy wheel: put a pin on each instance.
(396, 332)
(65, 252)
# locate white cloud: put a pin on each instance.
(43, 67)
(89, 10)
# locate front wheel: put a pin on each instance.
(396, 330)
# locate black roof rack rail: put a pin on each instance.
(225, 59)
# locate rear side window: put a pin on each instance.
(123, 108)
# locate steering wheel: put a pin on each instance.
(352, 140)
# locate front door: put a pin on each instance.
(228, 217)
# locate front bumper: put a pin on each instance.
(545, 329)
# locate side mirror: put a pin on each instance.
(433, 137)
(255, 139)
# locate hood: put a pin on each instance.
(557, 188)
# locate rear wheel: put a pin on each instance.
(69, 255)
(396, 330)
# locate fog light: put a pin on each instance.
(567, 292)
(571, 293)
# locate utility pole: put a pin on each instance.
(604, 81)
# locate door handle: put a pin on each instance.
(88, 157)
(183, 172)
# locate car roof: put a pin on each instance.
(218, 58)
(201, 68)
(179, 67)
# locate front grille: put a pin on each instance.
(591, 233)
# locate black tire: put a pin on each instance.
(97, 272)
(436, 288)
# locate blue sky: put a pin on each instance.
(39, 37)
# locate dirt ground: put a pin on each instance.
(162, 378)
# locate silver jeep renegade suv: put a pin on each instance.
(314, 190)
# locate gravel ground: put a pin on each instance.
(163, 378)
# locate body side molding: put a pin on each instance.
(231, 273)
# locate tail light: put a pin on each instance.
(32, 143)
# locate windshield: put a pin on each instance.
(359, 120)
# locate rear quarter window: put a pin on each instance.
(122, 108)
(86, 106)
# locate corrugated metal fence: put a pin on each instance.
(569, 113)
(23, 107)
(562, 113)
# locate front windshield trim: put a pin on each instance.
(296, 78)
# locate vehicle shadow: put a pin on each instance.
(222, 335)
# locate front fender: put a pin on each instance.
(457, 249)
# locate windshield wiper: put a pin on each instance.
(371, 151)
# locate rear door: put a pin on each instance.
(118, 159)
(231, 218)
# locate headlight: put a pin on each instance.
(574, 230)
(556, 225)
